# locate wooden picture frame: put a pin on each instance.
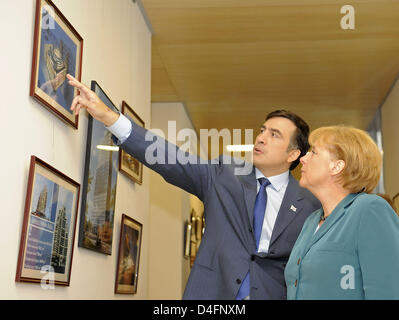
(99, 184)
(128, 165)
(48, 229)
(57, 51)
(127, 270)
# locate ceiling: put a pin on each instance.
(231, 62)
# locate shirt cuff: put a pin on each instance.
(121, 129)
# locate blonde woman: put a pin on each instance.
(348, 249)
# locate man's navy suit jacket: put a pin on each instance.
(228, 249)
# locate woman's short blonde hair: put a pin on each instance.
(355, 147)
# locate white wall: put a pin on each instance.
(170, 207)
(390, 138)
(117, 54)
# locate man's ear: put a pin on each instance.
(293, 155)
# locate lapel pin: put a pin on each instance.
(293, 208)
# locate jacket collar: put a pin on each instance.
(277, 181)
(332, 218)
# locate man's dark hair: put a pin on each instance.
(299, 140)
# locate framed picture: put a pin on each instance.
(198, 228)
(187, 239)
(127, 270)
(99, 184)
(57, 51)
(193, 237)
(203, 224)
(128, 165)
(48, 229)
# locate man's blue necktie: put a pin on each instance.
(259, 215)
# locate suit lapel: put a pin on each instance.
(249, 186)
(290, 207)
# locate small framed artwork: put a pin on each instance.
(99, 184)
(193, 220)
(198, 228)
(193, 238)
(128, 165)
(48, 229)
(127, 270)
(57, 51)
(203, 224)
(187, 239)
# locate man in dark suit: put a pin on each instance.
(237, 258)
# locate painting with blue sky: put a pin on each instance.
(48, 231)
(48, 200)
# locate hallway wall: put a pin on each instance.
(117, 54)
(390, 137)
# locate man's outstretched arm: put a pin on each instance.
(192, 174)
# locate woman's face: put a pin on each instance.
(316, 167)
